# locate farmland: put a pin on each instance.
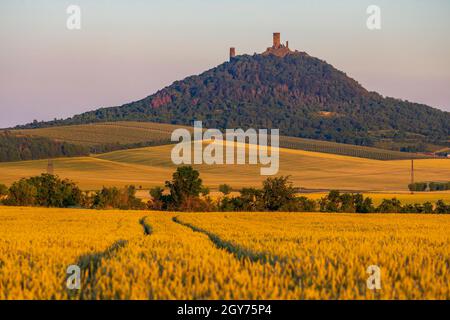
(131, 133)
(151, 166)
(151, 255)
(126, 132)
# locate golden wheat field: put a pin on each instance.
(155, 255)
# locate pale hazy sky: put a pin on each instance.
(128, 49)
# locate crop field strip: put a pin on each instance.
(334, 250)
(177, 263)
(129, 133)
(38, 244)
(346, 149)
(154, 255)
(107, 133)
(152, 166)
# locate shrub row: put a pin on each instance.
(431, 186)
(185, 192)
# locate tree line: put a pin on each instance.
(186, 192)
(15, 147)
(431, 186)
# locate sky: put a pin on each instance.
(129, 49)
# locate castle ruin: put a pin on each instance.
(278, 49)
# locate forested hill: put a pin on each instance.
(299, 94)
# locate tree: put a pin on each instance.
(390, 206)
(250, 200)
(186, 183)
(363, 205)
(124, 199)
(331, 203)
(21, 193)
(54, 192)
(427, 207)
(225, 189)
(347, 203)
(205, 191)
(277, 192)
(441, 207)
(3, 190)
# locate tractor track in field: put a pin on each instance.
(147, 228)
(91, 262)
(279, 265)
(239, 252)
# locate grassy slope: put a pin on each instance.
(129, 132)
(126, 132)
(151, 166)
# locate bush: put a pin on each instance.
(433, 186)
(196, 204)
(3, 190)
(441, 207)
(438, 186)
(46, 191)
(418, 186)
(21, 193)
(278, 192)
(225, 189)
(300, 204)
(124, 199)
(390, 206)
(54, 192)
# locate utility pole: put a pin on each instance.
(412, 176)
(50, 167)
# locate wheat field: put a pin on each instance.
(155, 255)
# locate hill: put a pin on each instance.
(151, 166)
(110, 136)
(301, 95)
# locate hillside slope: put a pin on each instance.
(299, 94)
(151, 166)
(109, 136)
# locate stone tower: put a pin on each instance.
(232, 53)
(276, 40)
